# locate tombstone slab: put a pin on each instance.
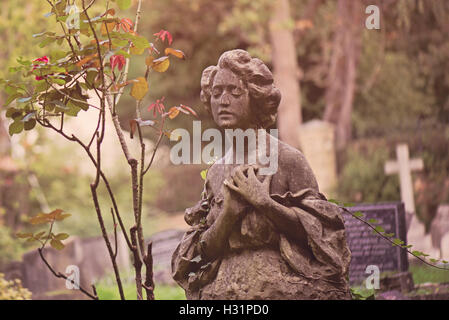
(371, 249)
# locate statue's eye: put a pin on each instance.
(236, 92)
(216, 93)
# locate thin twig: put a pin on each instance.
(60, 275)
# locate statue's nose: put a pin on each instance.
(225, 100)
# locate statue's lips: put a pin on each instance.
(225, 113)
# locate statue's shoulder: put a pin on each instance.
(294, 163)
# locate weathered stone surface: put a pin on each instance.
(254, 236)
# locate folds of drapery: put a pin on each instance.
(325, 256)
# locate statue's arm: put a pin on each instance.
(214, 240)
(284, 219)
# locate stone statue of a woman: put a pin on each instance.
(256, 236)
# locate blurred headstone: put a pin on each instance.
(439, 228)
(164, 244)
(317, 144)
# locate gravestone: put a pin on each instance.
(439, 229)
(164, 244)
(371, 249)
(317, 144)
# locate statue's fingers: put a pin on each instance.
(231, 186)
(267, 180)
(251, 173)
(239, 174)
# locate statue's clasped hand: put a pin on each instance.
(245, 182)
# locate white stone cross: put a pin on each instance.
(404, 166)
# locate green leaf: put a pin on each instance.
(124, 4)
(398, 241)
(57, 244)
(333, 201)
(433, 260)
(417, 253)
(373, 221)
(358, 214)
(389, 235)
(29, 125)
(39, 235)
(11, 98)
(379, 229)
(15, 127)
(204, 174)
(61, 236)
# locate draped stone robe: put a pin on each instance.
(260, 261)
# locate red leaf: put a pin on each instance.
(189, 109)
(117, 60)
(126, 25)
(164, 33)
(44, 60)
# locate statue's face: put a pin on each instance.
(230, 101)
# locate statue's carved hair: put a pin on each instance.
(264, 96)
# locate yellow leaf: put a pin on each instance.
(173, 112)
(24, 235)
(136, 51)
(110, 26)
(110, 12)
(139, 88)
(61, 236)
(85, 60)
(40, 219)
(161, 64)
(57, 244)
(174, 52)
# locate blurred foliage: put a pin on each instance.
(10, 248)
(65, 186)
(19, 20)
(13, 290)
(402, 92)
(174, 196)
(362, 178)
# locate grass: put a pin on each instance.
(423, 274)
(107, 290)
